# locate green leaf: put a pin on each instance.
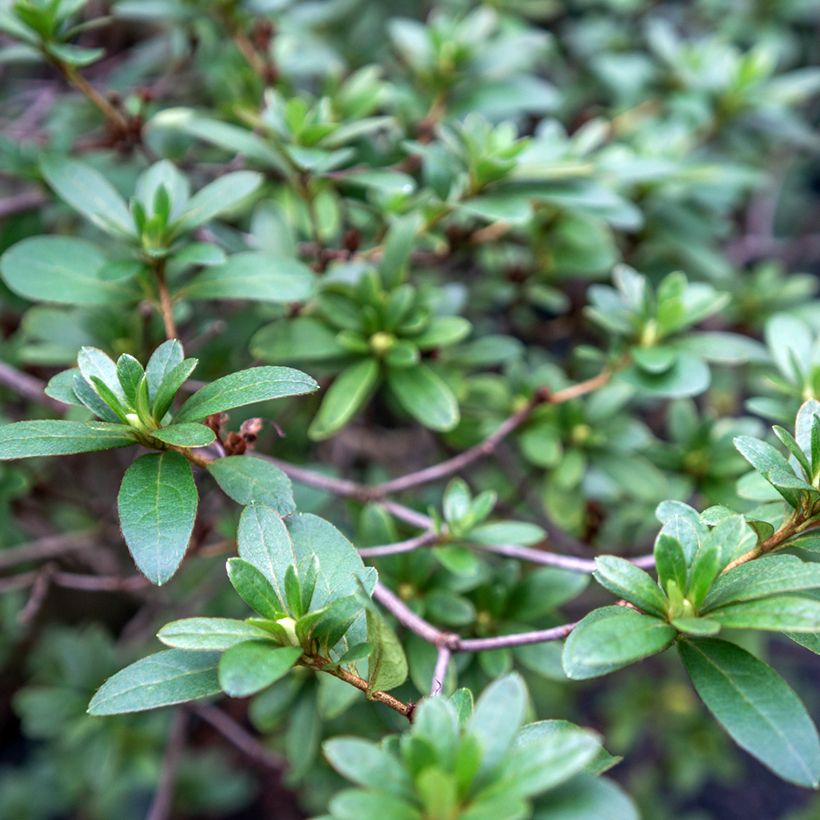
(303, 339)
(171, 383)
(387, 665)
(26, 439)
(770, 464)
(89, 193)
(756, 707)
(252, 480)
(164, 679)
(765, 576)
(245, 387)
(367, 764)
(187, 434)
(157, 507)
(696, 626)
(624, 579)
(208, 634)
(425, 396)
(783, 613)
(670, 562)
(541, 758)
(689, 376)
(64, 270)
(129, 374)
(356, 804)
(163, 360)
(223, 194)
(586, 798)
(443, 331)
(397, 249)
(255, 277)
(611, 638)
(498, 714)
(348, 393)
(810, 641)
(249, 667)
(255, 589)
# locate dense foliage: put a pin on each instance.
(469, 342)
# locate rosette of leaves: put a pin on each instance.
(700, 449)
(593, 440)
(717, 571)
(460, 761)
(651, 329)
(157, 501)
(44, 30)
(157, 247)
(376, 331)
(474, 62)
(793, 348)
(310, 593)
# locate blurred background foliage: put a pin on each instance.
(529, 146)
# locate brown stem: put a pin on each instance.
(163, 802)
(793, 526)
(114, 117)
(322, 665)
(165, 304)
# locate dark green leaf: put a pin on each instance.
(252, 480)
(349, 392)
(208, 634)
(425, 396)
(625, 580)
(164, 679)
(756, 707)
(157, 507)
(26, 439)
(245, 387)
(249, 667)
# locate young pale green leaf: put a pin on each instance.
(769, 575)
(781, 613)
(696, 626)
(688, 376)
(64, 270)
(219, 196)
(164, 679)
(255, 589)
(497, 716)
(769, 463)
(586, 798)
(368, 764)
(611, 638)
(94, 363)
(186, 434)
(163, 360)
(245, 387)
(800, 462)
(27, 439)
(756, 707)
(803, 425)
(209, 634)
(88, 396)
(624, 579)
(157, 507)
(252, 480)
(425, 396)
(255, 277)
(355, 804)
(89, 192)
(670, 562)
(387, 666)
(249, 667)
(541, 760)
(171, 383)
(129, 374)
(347, 395)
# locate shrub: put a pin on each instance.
(500, 282)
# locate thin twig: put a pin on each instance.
(407, 618)
(425, 539)
(556, 633)
(163, 802)
(239, 737)
(440, 670)
(28, 386)
(48, 547)
(23, 201)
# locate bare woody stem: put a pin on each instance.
(115, 118)
(793, 526)
(324, 665)
(165, 304)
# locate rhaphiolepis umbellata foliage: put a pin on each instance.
(483, 304)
